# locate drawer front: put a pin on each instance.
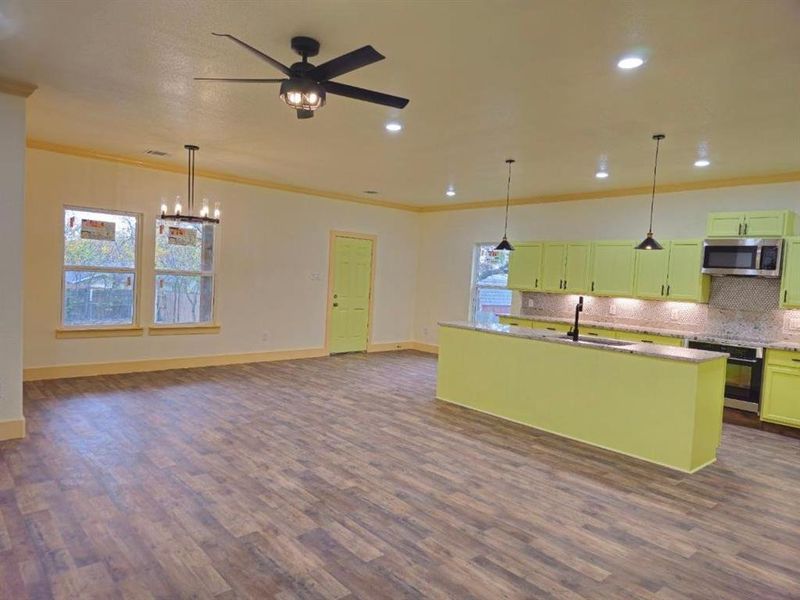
(549, 326)
(785, 358)
(648, 338)
(781, 398)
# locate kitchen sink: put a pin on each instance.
(600, 341)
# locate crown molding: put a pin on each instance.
(217, 175)
(16, 88)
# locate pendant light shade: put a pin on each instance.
(649, 242)
(504, 244)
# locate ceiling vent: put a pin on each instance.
(156, 153)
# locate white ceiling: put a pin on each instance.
(533, 80)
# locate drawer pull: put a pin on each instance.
(551, 329)
(594, 334)
(796, 360)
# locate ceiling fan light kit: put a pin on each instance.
(306, 86)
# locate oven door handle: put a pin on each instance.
(743, 361)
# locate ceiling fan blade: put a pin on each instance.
(357, 93)
(346, 63)
(281, 67)
(239, 80)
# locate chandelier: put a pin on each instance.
(188, 215)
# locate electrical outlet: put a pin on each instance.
(316, 277)
(794, 323)
(675, 314)
(265, 336)
(612, 309)
(530, 302)
(425, 331)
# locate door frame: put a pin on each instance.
(329, 296)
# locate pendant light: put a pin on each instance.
(188, 216)
(649, 242)
(504, 243)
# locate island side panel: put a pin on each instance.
(708, 412)
(637, 405)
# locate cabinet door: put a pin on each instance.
(524, 267)
(652, 267)
(684, 279)
(780, 401)
(724, 225)
(613, 268)
(766, 223)
(790, 279)
(576, 274)
(553, 259)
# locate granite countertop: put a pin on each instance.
(642, 349)
(697, 336)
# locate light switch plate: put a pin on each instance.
(675, 314)
(530, 302)
(315, 277)
(612, 309)
(794, 323)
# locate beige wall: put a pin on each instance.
(12, 181)
(271, 244)
(448, 238)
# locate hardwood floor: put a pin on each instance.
(342, 477)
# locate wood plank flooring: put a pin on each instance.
(343, 478)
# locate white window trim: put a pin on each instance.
(136, 271)
(212, 324)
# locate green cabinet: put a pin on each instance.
(577, 269)
(525, 266)
(790, 279)
(763, 223)
(613, 268)
(684, 280)
(651, 272)
(780, 399)
(554, 257)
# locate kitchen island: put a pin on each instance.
(662, 404)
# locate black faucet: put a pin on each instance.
(578, 310)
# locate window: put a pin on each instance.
(99, 274)
(184, 287)
(489, 279)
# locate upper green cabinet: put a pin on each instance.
(554, 257)
(790, 280)
(764, 223)
(613, 268)
(672, 273)
(577, 270)
(525, 266)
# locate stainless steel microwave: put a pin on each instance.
(753, 257)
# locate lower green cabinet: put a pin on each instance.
(780, 398)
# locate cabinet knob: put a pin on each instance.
(335, 304)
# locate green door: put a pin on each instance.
(613, 268)
(766, 223)
(352, 278)
(576, 273)
(652, 267)
(554, 255)
(684, 280)
(725, 225)
(781, 400)
(790, 280)
(525, 267)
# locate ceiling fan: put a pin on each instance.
(305, 86)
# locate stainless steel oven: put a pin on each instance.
(753, 257)
(743, 376)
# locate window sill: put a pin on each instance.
(67, 333)
(183, 329)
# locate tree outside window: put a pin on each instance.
(490, 296)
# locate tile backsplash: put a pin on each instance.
(739, 307)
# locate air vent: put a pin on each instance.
(156, 153)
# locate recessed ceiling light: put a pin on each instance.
(702, 162)
(601, 174)
(630, 62)
(450, 192)
(393, 126)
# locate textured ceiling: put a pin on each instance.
(535, 80)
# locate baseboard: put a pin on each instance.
(423, 347)
(389, 347)
(143, 366)
(12, 430)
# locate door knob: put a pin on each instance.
(335, 304)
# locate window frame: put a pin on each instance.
(475, 285)
(135, 271)
(211, 326)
